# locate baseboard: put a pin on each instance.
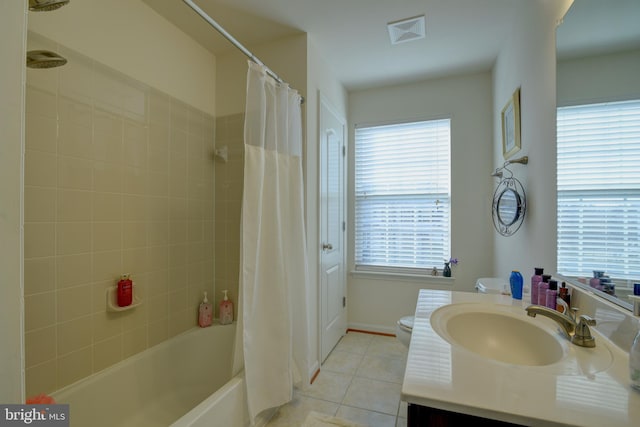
(372, 329)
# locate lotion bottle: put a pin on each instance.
(535, 281)
(226, 310)
(205, 315)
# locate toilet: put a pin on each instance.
(404, 327)
(485, 285)
(492, 285)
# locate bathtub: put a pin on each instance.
(184, 381)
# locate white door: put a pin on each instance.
(332, 228)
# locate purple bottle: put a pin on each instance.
(535, 280)
(552, 294)
(542, 289)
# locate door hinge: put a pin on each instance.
(344, 226)
(344, 151)
(344, 302)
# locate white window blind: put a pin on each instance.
(402, 194)
(599, 189)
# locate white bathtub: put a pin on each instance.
(185, 381)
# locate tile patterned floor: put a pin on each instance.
(360, 381)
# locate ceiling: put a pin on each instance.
(462, 36)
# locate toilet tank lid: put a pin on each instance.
(491, 284)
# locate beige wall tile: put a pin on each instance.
(73, 111)
(40, 346)
(41, 133)
(72, 303)
(135, 235)
(134, 341)
(107, 236)
(182, 321)
(41, 102)
(39, 204)
(75, 173)
(134, 207)
(106, 325)
(158, 331)
(39, 275)
(158, 257)
(39, 311)
(73, 238)
(40, 169)
(75, 140)
(41, 378)
(74, 335)
(73, 270)
(107, 265)
(134, 261)
(74, 366)
(107, 207)
(108, 177)
(157, 234)
(39, 239)
(107, 353)
(74, 205)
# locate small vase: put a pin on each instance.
(446, 272)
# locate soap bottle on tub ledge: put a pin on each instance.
(226, 310)
(205, 314)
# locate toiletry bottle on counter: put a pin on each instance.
(542, 289)
(552, 294)
(205, 314)
(535, 281)
(226, 310)
(125, 291)
(515, 281)
(563, 293)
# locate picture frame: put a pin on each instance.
(511, 126)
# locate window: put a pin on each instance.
(402, 195)
(599, 189)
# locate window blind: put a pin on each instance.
(599, 189)
(402, 195)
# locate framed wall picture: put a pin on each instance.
(511, 126)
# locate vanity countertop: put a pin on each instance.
(448, 377)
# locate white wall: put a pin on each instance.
(611, 77)
(377, 303)
(129, 36)
(528, 61)
(12, 86)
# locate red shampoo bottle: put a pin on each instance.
(125, 291)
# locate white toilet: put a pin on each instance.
(404, 327)
(486, 285)
(492, 285)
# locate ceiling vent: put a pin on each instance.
(407, 30)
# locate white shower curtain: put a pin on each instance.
(273, 273)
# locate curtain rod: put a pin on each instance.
(233, 40)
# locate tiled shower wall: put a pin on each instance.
(119, 178)
(229, 184)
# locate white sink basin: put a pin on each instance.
(496, 332)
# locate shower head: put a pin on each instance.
(44, 59)
(46, 5)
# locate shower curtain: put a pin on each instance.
(273, 272)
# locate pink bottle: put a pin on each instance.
(226, 310)
(535, 281)
(205, 315)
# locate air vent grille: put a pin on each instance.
(407, 30)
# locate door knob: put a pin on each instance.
(327, 246)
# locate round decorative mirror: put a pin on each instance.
(509, 206)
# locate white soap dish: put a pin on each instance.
(112, 300)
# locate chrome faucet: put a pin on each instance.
(577, 332)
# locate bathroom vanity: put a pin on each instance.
(478, 359)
